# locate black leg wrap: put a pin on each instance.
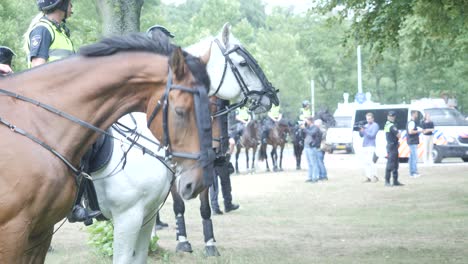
(208, 230)
(180, 227)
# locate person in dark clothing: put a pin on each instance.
(392, 135)
(222, 168)
(6, 56)
(428, 131)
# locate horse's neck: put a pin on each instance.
(96, 90)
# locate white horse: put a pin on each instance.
(132, 196)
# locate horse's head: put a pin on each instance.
(183, 111)
(236, 75)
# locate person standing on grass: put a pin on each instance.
(392, 135)
(321, 153)
(413, 131)
(428, 131)
(369, 133)
(312, 142)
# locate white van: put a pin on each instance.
(450, 134)
(340, 137)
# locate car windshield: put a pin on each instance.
(446, 117)
(343, 121)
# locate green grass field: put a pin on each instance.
(282, 219)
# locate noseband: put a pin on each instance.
(268, 90)
(206, 155)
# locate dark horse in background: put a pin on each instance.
(276, 138)
(248, 140)
(298, 135)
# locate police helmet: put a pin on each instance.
(47, 5)
(161, 28)
(6, 55)
(391, 113)
(305, 103)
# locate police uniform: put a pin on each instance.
(49, 40)
(269, 121)
(391, 134)
(235, 127)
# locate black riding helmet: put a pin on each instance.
(161, 28)
(6, 55)
(305, 103)
(48, 6)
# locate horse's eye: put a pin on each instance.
(180, 111)
(243, 63)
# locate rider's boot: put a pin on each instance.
(81, 214)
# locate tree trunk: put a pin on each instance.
(119, 16)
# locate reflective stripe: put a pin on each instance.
(59, 54)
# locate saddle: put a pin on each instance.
(95, 159)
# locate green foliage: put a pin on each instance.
(101, 237)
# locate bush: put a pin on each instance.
(101, 237)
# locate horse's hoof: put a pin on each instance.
(268, 170)
(281, 169)
(184, 247)
(275, 169)
(211, 251)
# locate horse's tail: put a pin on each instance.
(262, 152)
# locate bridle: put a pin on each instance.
(252, 97)
(202, 115)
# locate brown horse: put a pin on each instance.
(276, 137)
(248, 140)
(109, 79)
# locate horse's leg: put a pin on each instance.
(274, 158)
(266, 158)
(205, 212)
(247, 158)
(254, 150)
(127, 225)
(238, 149)
(281, 158)
(183, 244)
(143, 239)
(35, 249)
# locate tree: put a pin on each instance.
(119, 16)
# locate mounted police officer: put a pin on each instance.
(49, 37)
(392, 135)
(304, 112)
(6, 56)
(273, 116)
(49, 40)
(236, 123)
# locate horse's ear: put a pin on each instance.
(226, 32)
(205, 58)
(178, 65)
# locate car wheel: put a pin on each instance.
(436, 156)
(403, 160)
(465, 159)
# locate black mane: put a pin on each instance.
(157, 43)
(130, 42)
